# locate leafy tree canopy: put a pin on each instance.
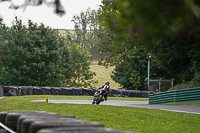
(150, 20)
(33, 55)
(168, 29)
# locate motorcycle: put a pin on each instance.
(98, 97)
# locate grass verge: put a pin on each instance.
(183, 103)
(120, 118)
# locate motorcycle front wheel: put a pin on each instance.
(99, 99)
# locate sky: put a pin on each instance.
(44, 14)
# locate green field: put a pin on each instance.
(120, 118)
(103, 75)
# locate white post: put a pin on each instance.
(172, 82)
(159, 84)
(148, 72)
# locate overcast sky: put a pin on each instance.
(45, 15)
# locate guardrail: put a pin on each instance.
(40, 90)
(1, 91)
(175, 96)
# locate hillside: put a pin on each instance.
(103, 75)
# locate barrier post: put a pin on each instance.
(46, 99)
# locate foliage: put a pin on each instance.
(87, 32)
(81, 76)
(132, 70)
(167, 29)
(130, 61)
(195, 82)
(196, 79)
(33, 54)
(121, 75)
(135, 79)
(39, 56)
(129, 56)
(2, 59)
(104, 40)
(179, 57)
(3, 28)
(184, 85)
(150, 20)
(83, 46)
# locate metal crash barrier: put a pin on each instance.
(175, 96)
(36, 90)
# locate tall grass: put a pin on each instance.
(120, 118)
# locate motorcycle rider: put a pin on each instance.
(105, 91)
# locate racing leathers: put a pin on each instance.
(105, 91)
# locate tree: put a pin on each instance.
(179, 57)
(168, 29)
(34, 56)
(81, 76)
(131, 69)
(81, 41)
(130, 61)
(150, 20)
(2, 41)
(86, 32)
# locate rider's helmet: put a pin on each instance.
(107, 83)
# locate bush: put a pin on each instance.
(183, 86)
(195, 82)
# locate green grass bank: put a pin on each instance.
(120, 118)
(103, 74)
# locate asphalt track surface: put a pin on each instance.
(194, 108)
